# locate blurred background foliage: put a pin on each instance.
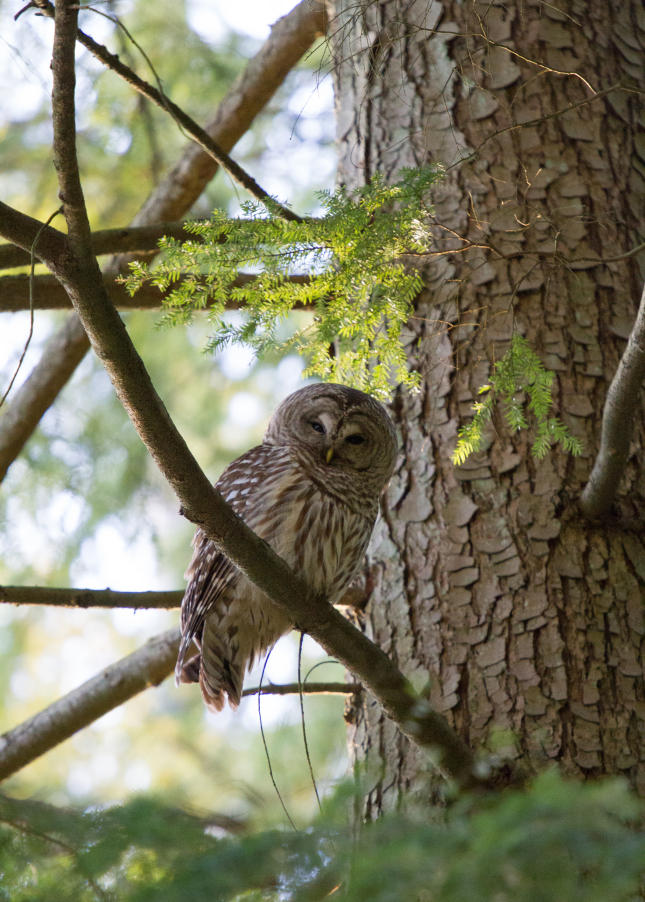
(84, 505)
(554, 840)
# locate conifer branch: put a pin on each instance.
(132, 239)
(49, 294)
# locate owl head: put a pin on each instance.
(338, 430)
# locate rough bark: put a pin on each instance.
(525, 620)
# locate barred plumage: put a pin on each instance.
(311, 490)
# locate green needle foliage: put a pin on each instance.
(358, 288)
(523, 385)
(554, 840)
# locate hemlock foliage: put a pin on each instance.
(523, 385)
(555, 840)
(358, 287)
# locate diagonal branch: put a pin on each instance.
(203, 505)
(290, 38)
(617, 422)
(148, 666)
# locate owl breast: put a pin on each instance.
(322, 539)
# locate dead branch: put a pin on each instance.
(617, 423)
(148, 666)
(88, 598)
(108, 598)
(291, 36)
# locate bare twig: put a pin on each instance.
(25, 229)
(88, 598)
(305, 688)
(290, 38)
(148, 666)
(32, 262)
(617, 422)
(108, 598)
(61, 355)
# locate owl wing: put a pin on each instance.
(210, 573)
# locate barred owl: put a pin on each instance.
(311, 490)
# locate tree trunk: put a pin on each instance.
(524, 620)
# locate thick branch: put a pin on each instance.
(617, 422)
(89, 598)
(49, 294)
(148, 666)
(22, 230)
(291, 36)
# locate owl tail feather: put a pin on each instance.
(220, 677)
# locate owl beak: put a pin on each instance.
(329, 453)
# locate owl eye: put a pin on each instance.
(355, 439)
(317, 427)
